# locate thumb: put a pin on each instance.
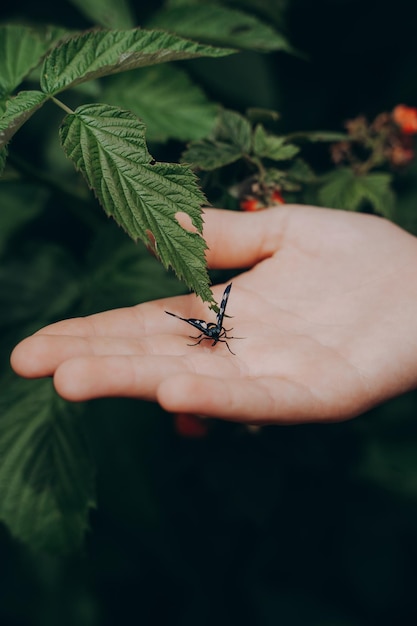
(241, 239)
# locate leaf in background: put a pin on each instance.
(106, 13)
(21, 49)
(344, 189)
(235, 129)
(232, 138)
(46, 474)
(210, 154)
(108, 146)
(39, 284)
(104, 52)
(301, 171)
(171, 105)
(272, 146)
(122, 273)
(272, 10)
(220, 25)
(16, 111)
(376, 188)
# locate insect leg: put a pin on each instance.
(198, 342)
(224, 341)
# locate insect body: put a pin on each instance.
(210, 330)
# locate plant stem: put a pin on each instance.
(62, 105)
(257, 163)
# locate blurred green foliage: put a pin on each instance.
(297, 526)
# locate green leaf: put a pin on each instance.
(301, 172)
(170, 104)
(16, 111)
(235, 129)
(108, 146)
(106, 13)
(232, 138)
(21, 49)
(344, 189)
(104, 52)
(209, 154)
(46, 475)
(272, 146)
(220, 25)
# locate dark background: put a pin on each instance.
(299, 526)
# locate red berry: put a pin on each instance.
(276, 197)
(189, 425)
(250, 204)
(406, 118)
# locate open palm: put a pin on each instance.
(325, 318)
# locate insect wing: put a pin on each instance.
(220, 314)
(201, 325)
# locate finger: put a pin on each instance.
(242, 239)
(84, 378)
(133, 321)
(256, 401)
(41, 354)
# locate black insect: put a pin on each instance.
(210, 330)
